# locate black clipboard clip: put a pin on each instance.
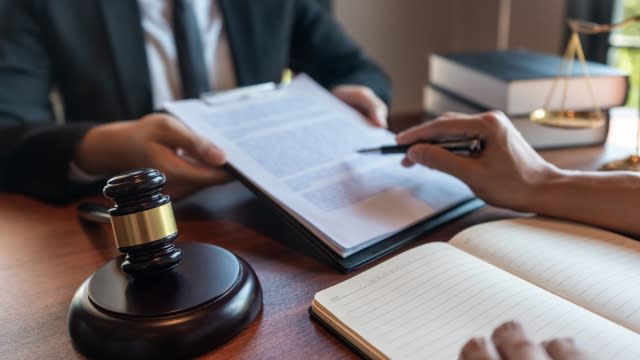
(246, 92)
(239, 94)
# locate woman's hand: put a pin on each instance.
(508, 171)
(509, 342)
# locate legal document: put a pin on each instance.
(297, 145)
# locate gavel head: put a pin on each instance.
(143, 222)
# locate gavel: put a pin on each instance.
(159, 300)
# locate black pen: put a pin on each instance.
(468, 146)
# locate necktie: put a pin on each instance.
(193, 71)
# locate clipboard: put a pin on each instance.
(358, 257)
(373, 252)
(239, 94)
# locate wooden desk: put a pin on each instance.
(45, 254)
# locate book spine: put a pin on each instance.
(437, 101)
(489, 91)
(519, 82)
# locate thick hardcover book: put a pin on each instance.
(296, 146)
(559, 279)
(438, 101)
(519, 81)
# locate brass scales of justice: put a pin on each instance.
(567, 118)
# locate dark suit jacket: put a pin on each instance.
(93, 52)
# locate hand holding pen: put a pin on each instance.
(507, 172)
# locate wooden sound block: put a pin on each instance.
(209, 297)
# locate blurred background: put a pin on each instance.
(400, 34)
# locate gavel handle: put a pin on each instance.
(94, 213)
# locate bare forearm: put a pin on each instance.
(607, 199)
(510, 174)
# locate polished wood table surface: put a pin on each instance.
(46, 253)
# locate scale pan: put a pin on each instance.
(568, 119)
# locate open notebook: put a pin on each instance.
(558, 279)
(296, 146)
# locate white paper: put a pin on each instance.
(596, 269)
(426, 303)
(298, 144)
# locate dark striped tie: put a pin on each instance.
(193, 72)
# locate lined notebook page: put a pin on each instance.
(596, 269)
(427, 302)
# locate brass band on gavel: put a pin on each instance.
(144, 227)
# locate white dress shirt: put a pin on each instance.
(162, 57)
(161, 51)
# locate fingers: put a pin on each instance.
(509, 342)
(450, 125)
(182, 170)
(364, 100)
(174, 134)
(440, 159)
(183, 177)
(442, 127)
(512, 343)
(406, 162)
(479, 349)
(564, 349)
(189, 161)
(455, 125)
(153, 141)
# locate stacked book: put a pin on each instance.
(518, 82)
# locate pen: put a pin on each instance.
(470, 146)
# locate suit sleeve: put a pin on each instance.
(323, 50)
(34, 151)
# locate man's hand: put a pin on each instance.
(365, 101)
(189, 161)
(509, 342)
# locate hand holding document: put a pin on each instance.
(298, 146)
